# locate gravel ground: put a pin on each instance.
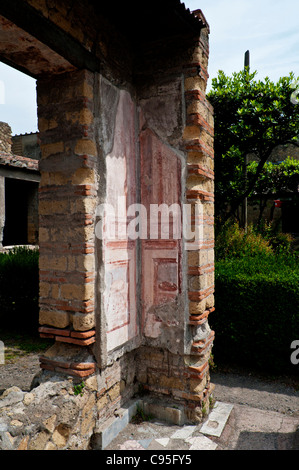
(19, 373)
(265, 393)
(232, 385)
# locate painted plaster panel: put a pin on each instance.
(120, 296)
(119, 252)
(161, 257)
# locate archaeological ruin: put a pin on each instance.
(19, 182)
(124, 126)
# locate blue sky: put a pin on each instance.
(268, 29)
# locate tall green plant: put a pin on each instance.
(234, 242)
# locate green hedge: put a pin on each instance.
(256, 317)
(19, 290)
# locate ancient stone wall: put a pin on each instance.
(5, 138)
(67, 202)
(26, 145)
(64, 412)
(55, 415)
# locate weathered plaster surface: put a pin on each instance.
(120, 298)
(163, 310)
(155, 263)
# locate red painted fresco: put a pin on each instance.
(119, 252)
(161, 257)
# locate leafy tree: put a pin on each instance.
(251, 117)
(280, 179)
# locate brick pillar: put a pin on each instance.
(5, 137)
(198, 137)
(67, 205)
(176, 146)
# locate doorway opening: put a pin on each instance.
(20, 212)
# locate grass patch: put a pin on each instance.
(18, 345)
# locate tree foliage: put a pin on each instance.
(251, 117)
(276, 178)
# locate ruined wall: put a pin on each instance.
(158, 291)
(26, 145)
(78, 296)
(65, 413)
(5, 138)
(50, 417)
(176, 142)
(126, 312)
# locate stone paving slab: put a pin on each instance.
(242, 428)
(217, 419)
(201, 443)
(155, 435)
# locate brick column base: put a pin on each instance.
(174, 379)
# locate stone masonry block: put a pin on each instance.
(86, 263)
(77, 292)
(44, 289)
(56, 263)
(198, 282)
(85, 147)
(54, 318)
(198, 258)
(83, 321)
(49, 207)
(197, 308)
(83, 176)
(52, 149)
